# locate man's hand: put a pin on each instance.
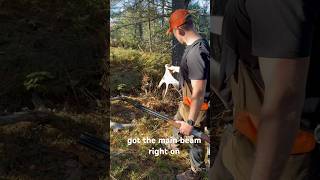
(185, 128)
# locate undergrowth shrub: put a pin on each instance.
(129, 67)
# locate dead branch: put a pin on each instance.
(24, 116)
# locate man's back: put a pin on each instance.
(195, 63)
(267, 48)
(246, 40)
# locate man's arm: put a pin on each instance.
(197, 98)
(285, 82)
(198, 92)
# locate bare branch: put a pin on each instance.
(135, 23)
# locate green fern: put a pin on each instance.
(36, 81)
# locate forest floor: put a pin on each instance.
(137, 75)
(67, 40)
(48, 148)
(134, 161)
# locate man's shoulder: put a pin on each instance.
(201, 46)
(201, 43)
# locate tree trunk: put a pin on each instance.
(140, 31)
(150, 38)
(163, 4)
(149, 27)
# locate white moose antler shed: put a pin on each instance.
(168, 79)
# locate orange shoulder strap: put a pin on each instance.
(187, 101)
(304, 141)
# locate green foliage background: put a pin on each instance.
(128, 66)
(130, 23)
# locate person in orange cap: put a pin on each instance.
(270, 59)
(194, 75)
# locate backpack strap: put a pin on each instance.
(310, 113)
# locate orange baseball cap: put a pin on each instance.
(177, 18)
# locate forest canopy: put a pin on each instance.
(142, 24)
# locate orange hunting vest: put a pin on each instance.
(247, 98)
(186, 93)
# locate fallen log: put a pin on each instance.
(24, 116)
(118, 126)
